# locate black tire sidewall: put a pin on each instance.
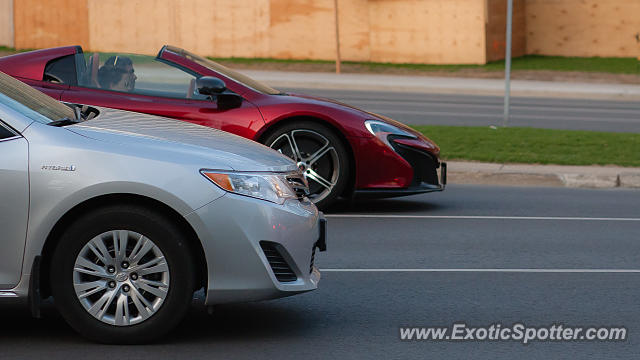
(336, 142)
(155, 227)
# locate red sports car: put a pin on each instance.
(343, 151)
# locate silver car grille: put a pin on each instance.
(299, 185)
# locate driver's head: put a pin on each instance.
(117, 74)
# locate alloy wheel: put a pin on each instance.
(315, 156)
(121, 277)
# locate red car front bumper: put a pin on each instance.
(409, 167)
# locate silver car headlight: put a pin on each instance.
(382, 130)
(265, 186)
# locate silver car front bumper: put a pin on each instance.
(242, 238)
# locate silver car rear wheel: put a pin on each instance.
(121, 277)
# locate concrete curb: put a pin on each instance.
(594, 177)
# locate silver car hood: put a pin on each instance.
(214, 146)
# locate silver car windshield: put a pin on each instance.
(31, 102)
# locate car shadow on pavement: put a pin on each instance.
(51, 327)
(267, 320)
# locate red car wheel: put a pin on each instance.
(319, 153)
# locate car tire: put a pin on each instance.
(97, 300)
(328, 172)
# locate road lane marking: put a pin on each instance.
(491, 270)
(472, 217)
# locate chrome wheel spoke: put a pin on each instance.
(148, 264)
(87, 267)
(299, 152)
(319, 154)
(314, 154)
(144, 307)
(140, 250)
(319, 179)
(122, 310)
(100, 251)
(89, 288)
(120, 239)
(294, 147)
(100, 307)
(152, 269)
(153, 283)
(157, 291)
(115, 287)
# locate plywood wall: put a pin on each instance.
(427, 31)
(6, 23)
(583, 27)
(431, 31)
(40, 24)
(355, 34)
(496, 24)
(302, 29)
(131, 26)
(213, 27)
(305, 29)
(410, 31)
(223, 28)
(405, 31)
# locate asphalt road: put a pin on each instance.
(475, 110)
(357, 314)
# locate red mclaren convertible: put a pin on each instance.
(343, 151)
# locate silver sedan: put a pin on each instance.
(122, 216)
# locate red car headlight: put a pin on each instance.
(382, 130)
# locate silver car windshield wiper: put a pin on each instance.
(63, 122)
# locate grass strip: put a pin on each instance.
(535, 146)
(627, 65)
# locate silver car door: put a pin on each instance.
(14, 204)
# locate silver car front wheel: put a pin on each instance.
(121, 277)
(123, 274)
